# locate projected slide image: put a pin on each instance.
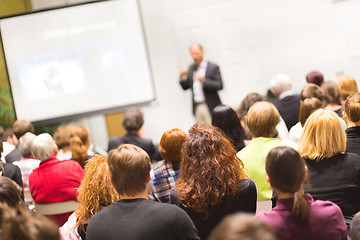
(50, 75)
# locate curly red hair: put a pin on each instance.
(210, 169)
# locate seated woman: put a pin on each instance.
(62, 140)
(333, 174)
(308, 106)
(297, 216)
(213, 182)
(261, 120)
(347, 86)
(332, 96)
(79, 145)
(352, 116)
(95, 193)
(225, 118)
(163, 177)
(54, 180)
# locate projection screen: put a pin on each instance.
(77, 61)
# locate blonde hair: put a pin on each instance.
(347, 86)
(78, 139)
(323, 136)
(352, 107)
(262, 119)
(95, 189)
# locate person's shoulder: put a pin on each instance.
(325, 209)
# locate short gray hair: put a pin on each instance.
(43, 147)
(25, 143)
(280, 83)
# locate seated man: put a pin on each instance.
(132, 121)
(135, 216)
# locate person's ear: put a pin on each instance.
(306, 173)
(268, 180)
(148, 178)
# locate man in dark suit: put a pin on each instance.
(286, 102)
(132, 121)
(204, 80)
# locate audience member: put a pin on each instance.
(308, 106)
(27, 163)
(54, 180)
(213, 182)
(20, 127)
(241, 226)
(62, 139)
(347, 86)
(95, 193)
(9, 142)
(332, 97)
(312, 91)
(163, 177)
(225, 118)
(333, 174)
(352, 116)
(297, 216)
(354, 231)
(133, 120)
(79, 145)
(315, 77)
(287, 103)
(134, 216)
(11, 171)
(261, 120)
(10, 192)
(246, 103)
(19, 223)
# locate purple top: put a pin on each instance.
(325, 221)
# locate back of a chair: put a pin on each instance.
(56, 208)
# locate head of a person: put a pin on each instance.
(129, 168)
(96, 190)
(308, 106)
(352, 108)
(354, 231)
(44, 147)
(242, 226)
(8, 136)
(280, 83)
(331, 93)
(347, 86)
(323, 136)
(312, 90)
(225, 118)
(79, 144)
(262, 119)
(210, 169)
(62, 136)
(10, 192)
(197, 53)
(286, 172)
(20, 127)
(20, 223)
(133, 119)
(25, 143)
(315, 77)
(171, 144)
(247, 102)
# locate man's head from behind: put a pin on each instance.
(129, 167)
(197, 53)
(133, 119)
(20, 127)
(280, 83)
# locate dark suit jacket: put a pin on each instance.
(14, 155)
(146, 144)
(212, 84)
(13, 172)
(353, 140)
(289, 108)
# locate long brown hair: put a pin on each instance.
(209, 169)
(78, 144)
(286, 170)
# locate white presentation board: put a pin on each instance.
(77, 61)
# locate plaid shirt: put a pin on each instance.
(162, 180)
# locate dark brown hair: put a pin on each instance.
(20, 127)
(352, 107)
(332, 93)
(133, 119)
(247, 102)
(171, 144)
(307, 107)
(10, 191)
(210, 169)
(129, 168)
(312, 90)
(315, 77)
(286, 170)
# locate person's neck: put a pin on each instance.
(353, 124)
(134, 132)
(285, 195)
(143, 194)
